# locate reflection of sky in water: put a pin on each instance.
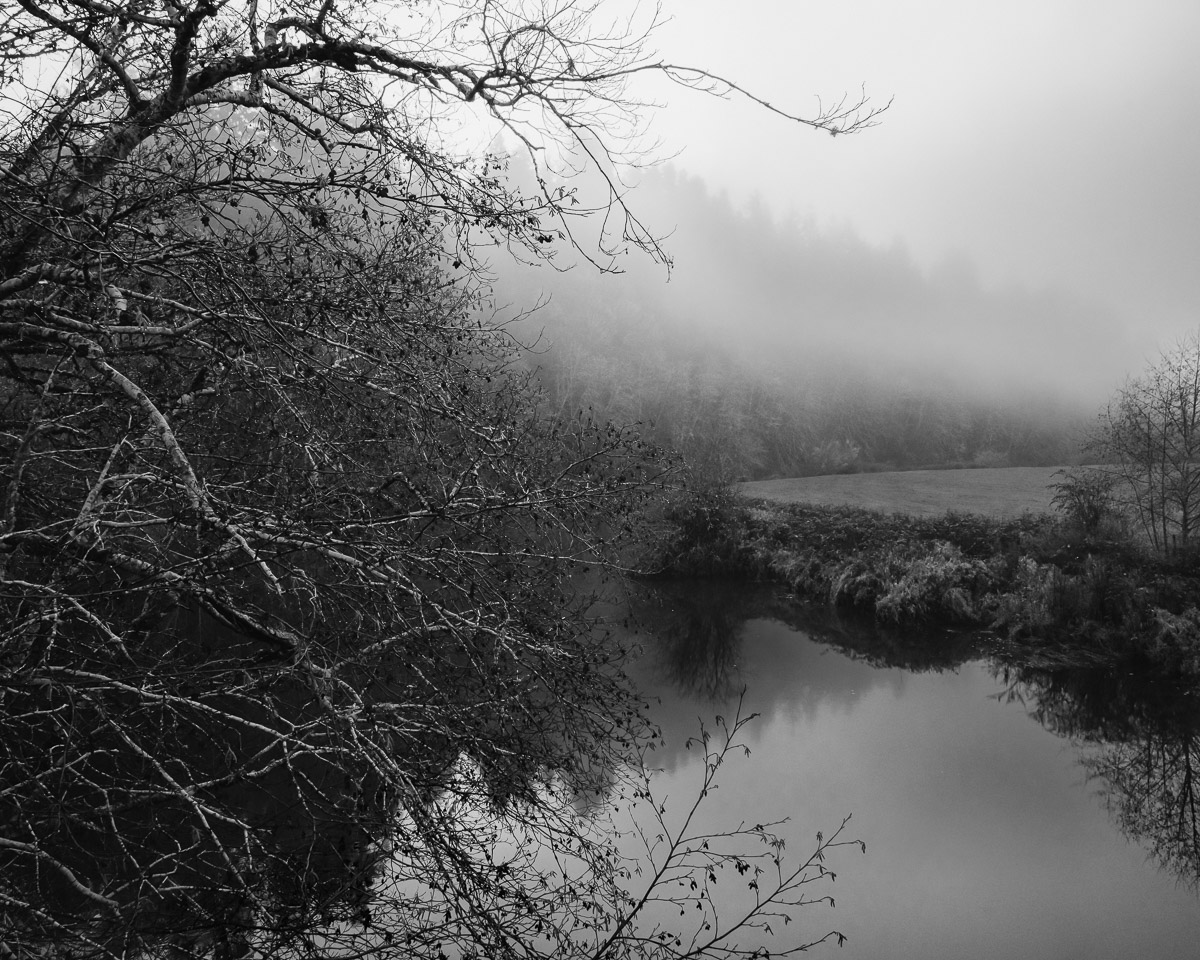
(983, 837)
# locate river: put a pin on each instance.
(1032, 813)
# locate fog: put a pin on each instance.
(1017, 236)
(796, 295)
(1050, 143)
(784, 347)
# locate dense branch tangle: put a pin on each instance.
(275, 525)
(282, 535)
(359, 75)
(284, 540)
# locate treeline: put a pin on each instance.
(781, 351)
(758, 422)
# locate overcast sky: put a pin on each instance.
(1048, 143)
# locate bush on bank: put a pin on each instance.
(1033, 580)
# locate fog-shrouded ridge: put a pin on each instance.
(780, 348)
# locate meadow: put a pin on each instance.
(1000, 492)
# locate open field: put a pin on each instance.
(1005, 492)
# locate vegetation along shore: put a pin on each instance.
(1074, 582)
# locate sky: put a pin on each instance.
(1047, 145)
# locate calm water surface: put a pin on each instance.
(1032, 813)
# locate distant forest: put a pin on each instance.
(784, 350)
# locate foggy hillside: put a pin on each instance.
(784, 348)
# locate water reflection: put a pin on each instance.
(697, 635)
(1139, 738)
(855, 635)
(1141, 750)
(985, 833)
(698, 631)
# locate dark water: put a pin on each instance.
(1007, 812)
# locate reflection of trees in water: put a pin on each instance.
(1143, 750)
(856, 634)
(698, 629)
(1141, 736)
(1150, 790)
(698, 634)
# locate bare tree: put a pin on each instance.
(89, 84)
(285, 544)
(279, 550)
(1149, 438)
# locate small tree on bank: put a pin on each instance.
(1149, 439)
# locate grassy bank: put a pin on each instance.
(1031, 579)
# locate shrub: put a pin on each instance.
(1176, 639)
(934, 580)
(1086, 499)
(856, 584)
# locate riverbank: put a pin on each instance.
(1032, 580)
